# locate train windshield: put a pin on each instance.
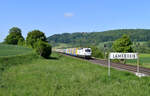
(87, 50)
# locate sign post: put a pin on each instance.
(123, 56)
(108, 66)
(138, 65)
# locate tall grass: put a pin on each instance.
(66, 76)
(11, 55)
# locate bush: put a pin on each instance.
(43, 49)
(21, 42)
(96, 52)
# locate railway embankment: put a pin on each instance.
(119, 66)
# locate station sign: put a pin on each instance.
(123, 56)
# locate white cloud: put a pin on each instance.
(68, 14)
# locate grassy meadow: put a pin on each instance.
(144, 60)
(66, 76)
(11, 50)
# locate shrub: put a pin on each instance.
(21, 42)
(96, 52)
(43, 49)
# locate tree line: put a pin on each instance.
(35, 39)
(139, 37)
(94, 38)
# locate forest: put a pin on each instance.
(94, 38)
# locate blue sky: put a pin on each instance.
(59, 16)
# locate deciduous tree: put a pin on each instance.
(34, 36)
(123, 44)
(14, 36)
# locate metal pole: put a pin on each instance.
(104, 53)
(108, 67)
(138, 66)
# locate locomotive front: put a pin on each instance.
(87, 52)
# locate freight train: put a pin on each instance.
(79, 52)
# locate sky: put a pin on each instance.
(61, 16)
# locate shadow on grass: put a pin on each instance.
(55, 58)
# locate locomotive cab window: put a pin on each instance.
(87, 50)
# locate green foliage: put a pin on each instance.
(141, 47)
(37, 40)
(34, 36)
(14, 36)
(43, 49)
(84, 39)
(96, 52)
(21, 42)
(94, 38)
(123, 44)
(15, 30)
(148, 44)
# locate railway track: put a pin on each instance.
(120, 66)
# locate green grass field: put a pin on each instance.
(66, 76)
(144, 60)
(11, 50)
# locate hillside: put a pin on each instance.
(94, 38)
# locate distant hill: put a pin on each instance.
(94, 38)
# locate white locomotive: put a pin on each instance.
(80, 52)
